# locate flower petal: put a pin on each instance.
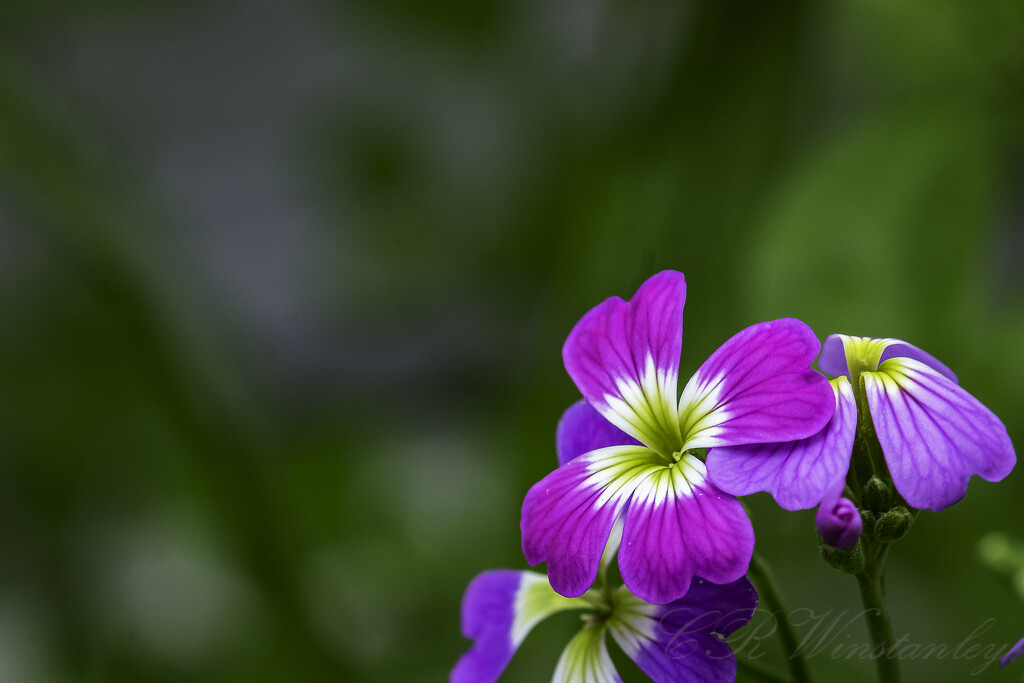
(624, 357)
(568, 515)
(499, 609)
(585, 659)
(837, 350)
(758, 387)
(582, 429)
(1014, 654)
(679, 525)
(611, 548)
(796, 473)
(934, 435)
(901, 348)
(843, 354)
(684, 640)
(833, 356)
(733, 605)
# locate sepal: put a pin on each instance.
(850, 561)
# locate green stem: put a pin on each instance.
(872, 595)
(770, 596)
(867, 460)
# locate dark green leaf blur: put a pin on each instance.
(284, 287)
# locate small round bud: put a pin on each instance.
(894, 524)
(876, 495)
(839, 523)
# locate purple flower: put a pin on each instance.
(933, 434)
(634, 451)
(680, 641)
(838, 520)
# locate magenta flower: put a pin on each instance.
(934, 435)
(838, 520)
(649, 470)
(681, 641)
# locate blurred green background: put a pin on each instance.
(284, 287)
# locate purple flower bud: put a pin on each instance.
(839, 523)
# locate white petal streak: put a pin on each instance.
(532, 604)
(616, 470)
(643, 406)
(633, 623)
(585, 659)
(668, 484)
(701, 413)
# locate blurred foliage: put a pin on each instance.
(285, 284)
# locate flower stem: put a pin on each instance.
(872, 596)
(867, 460)
(764, 578)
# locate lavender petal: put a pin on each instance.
(934, 435)
(796, 473)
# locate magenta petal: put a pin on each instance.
(582, 429)
(568, 515)
(679, 525)
(758, 387)
(796, 473)
(833, 356)
(488, 612)
(934, 435)
(624, 357)
(684, 639)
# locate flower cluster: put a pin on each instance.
(652, 475)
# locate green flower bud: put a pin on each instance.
(850, 561)
(876, 496)
(868, 519)
(893, 525)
